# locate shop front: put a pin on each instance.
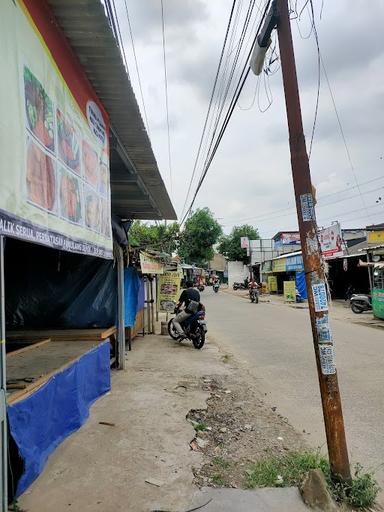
(67, 163)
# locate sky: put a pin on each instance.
(250, 178)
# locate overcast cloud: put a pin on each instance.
(250, 178)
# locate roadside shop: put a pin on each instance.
(70, 157)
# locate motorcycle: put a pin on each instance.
(254, 295)
(194, 327)
(239, 286)
(216, 287)
(360, 303)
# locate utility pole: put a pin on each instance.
(312, 257)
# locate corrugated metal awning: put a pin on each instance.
(138, 191)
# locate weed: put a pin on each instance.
(226, 358)
(219, 461)
(286, 470)
(218, 479)
(289, 470)
(361, 493)
(200, 427)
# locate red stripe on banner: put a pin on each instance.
(62, 53)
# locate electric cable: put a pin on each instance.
(166, 95)
(116, 28)
(210, 104)
(239, 88)
(136, 65)
(292, 208)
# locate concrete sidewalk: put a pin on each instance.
(140, 460)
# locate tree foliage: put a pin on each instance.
(229, 245)
(201, 232)
(159, 237)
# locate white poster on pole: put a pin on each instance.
(331, 241)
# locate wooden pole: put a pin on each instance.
(3, 382)
(312, 258)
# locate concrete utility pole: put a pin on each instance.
(312, 258)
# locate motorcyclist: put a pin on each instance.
(190, 298)
(252, 285)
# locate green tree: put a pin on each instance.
(201, 232)
(159, 237)
(229, 245)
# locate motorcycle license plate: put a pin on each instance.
(203, 325)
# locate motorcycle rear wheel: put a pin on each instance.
(356, 308)
(199, 338)
(172, 331)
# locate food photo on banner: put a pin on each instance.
(168, 291)
(54, 169)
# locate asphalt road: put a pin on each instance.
(275, 342)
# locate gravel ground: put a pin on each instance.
(236, 429)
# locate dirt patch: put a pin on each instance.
(236, 429)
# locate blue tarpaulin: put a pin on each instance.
(301, 284)
(39, 423)
(132, 286)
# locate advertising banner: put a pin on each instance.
(279, 265)
(244, 242)
(375, 237)
(331, 241)
(54, 132)
(150, 265)
(290, 291)
(168, 291)
(288, 239)
(295, 263)
(272, 284)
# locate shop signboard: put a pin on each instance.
(244, 242)
(168, 291)
(288, 239)
(295, 263)
(279, 265)
(54, 165)
(375, 237)
(150, 265)
(331, 241)
(267, 266)
(290, 291)
(272, 284)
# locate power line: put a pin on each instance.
(136, 65)
(166, 95)
(309, 5)
(239, 88)
(292, 208)
(116, 30)
(233, 68)
(210, 105)
(341, 129)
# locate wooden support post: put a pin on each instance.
(121, 310)
(3, 381)
(312, 258)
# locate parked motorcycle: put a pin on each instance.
(216, 287)
(194, 327)
(201, 287)
(239, 286)
(254, 295)
(360, 303)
